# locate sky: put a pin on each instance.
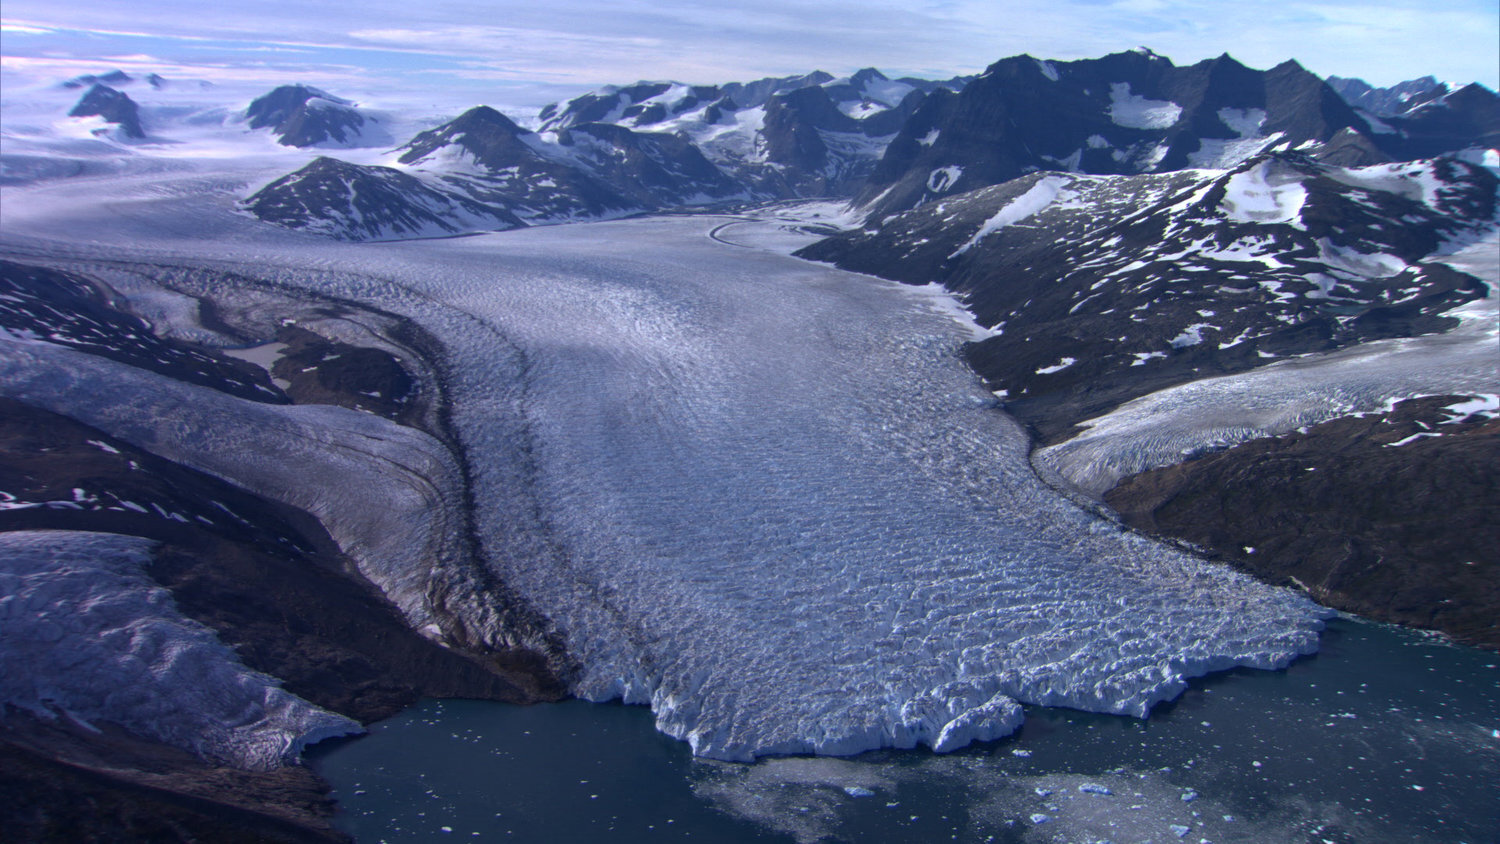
(529, 53)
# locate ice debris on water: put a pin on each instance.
(858, 791)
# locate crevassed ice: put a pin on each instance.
(790, 520)
(767, 497)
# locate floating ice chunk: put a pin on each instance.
(858, 791)
(1095, 788)
(1040, 818)
(1179, 830)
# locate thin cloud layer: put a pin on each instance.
(545, 50)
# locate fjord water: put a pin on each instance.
(1385, 735)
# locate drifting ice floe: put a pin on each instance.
(765, 496)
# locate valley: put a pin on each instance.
(776, 408)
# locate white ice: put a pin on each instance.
(1136, 112)
(763, 496)
(89, 636)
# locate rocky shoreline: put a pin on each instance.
(1389, 516)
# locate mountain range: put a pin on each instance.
(1198, 289)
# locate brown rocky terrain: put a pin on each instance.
(271, 583)
(1391, 516)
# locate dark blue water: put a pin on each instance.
(1384, 736)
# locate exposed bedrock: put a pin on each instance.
(389, 496)
(264, 577)
(1389, 515)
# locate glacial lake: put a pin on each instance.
(1385, 735)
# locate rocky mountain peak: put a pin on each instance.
(303, 116)
(114, 106)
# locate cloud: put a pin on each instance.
(588, 43)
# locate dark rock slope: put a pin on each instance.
(303, 116)
(356, 202)
(114, 106)
(1101, 289)
(68, 310)
(810, 135)
(482, 172)
(1387, 515)
(265, 578)
(1136, 112)
(1386, 102)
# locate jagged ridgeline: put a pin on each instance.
(1099, 289)
(888, 145)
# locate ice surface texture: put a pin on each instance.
(390, 496)
(767, 497)
(89, 635)
(786, 516)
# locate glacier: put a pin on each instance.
(764, 496)
(89, 636)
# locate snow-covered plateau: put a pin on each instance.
(764, 496)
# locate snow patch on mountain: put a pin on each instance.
(943, 178)
(1046, 191)
(1136, 112)
(1227, 153)
(1255, 196)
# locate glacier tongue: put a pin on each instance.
(788, 517)
(762, 495)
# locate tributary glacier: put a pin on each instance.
(764, 496)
